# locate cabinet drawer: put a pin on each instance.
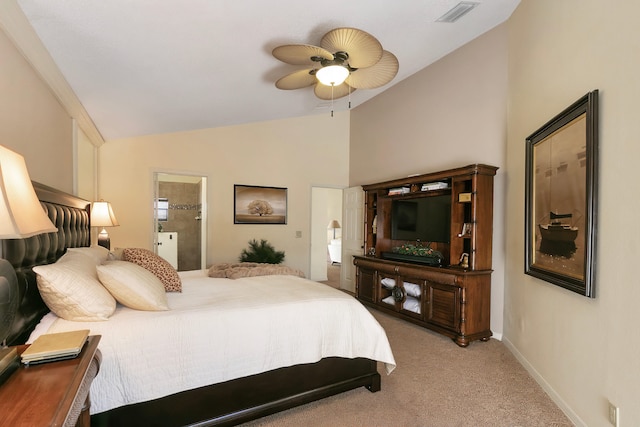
(444, 305)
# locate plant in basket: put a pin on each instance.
(419, 249)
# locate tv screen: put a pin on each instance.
(426, 219)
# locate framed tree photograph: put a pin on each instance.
(259, 205)
(561, 198)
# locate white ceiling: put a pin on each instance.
(144, 67)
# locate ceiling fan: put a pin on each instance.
(347, 59)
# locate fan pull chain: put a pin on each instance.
(349, 97)
(331, 99)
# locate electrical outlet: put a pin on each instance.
(614, 415)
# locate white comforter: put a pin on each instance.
(220, 329)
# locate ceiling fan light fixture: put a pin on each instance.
(332, 75)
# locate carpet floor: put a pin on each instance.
(333, 275)
(436, 383)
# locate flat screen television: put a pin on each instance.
(426, 219)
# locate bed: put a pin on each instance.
(231, 392)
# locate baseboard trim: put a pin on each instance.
(564, 407)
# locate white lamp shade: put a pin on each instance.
(102, 215)
(21, 214)
(333, 75)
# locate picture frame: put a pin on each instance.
(259, 205)
(561, 198)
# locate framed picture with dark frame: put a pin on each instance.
(561, 198)
(259, 205)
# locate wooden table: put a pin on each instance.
(51, 394)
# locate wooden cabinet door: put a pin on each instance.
(385, 297)
(444, 305)
(414, 303)
(365, 284)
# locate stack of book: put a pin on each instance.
(440, 185)
(58, 346)
(399, 190)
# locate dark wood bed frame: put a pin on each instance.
(227, 403)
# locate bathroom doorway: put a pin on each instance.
(180, 219)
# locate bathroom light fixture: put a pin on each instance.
(102, 216)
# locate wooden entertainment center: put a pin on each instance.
(452, 298)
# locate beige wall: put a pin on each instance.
(289, 153)
(85, 166)
(451, 114)
(32, 121)
(585, 350)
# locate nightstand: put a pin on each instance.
(51, 394)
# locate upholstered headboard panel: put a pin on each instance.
(70, 215)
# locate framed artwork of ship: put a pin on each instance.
(561, 198)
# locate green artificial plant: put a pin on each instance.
(262, 252)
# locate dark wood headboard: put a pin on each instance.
(70, 215)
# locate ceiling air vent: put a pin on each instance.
(457, 12)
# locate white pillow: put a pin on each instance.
(97, 253)
(388, 283)
(71, 289)
(410, 303)
(133, 286)
(412, 289)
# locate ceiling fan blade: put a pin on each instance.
(324, 92)
(364, 50)
(300, 54)
(377, 75)
(296, 80)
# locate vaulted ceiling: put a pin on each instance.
(142, 67)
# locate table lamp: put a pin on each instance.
(333, 225)
(102, 216)
(21, 216)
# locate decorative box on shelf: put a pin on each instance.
(430, 186)
(398, 191)
(464, 197)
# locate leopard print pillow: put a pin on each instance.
(155, 264)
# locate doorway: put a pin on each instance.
(180, 219)
(326, 235)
